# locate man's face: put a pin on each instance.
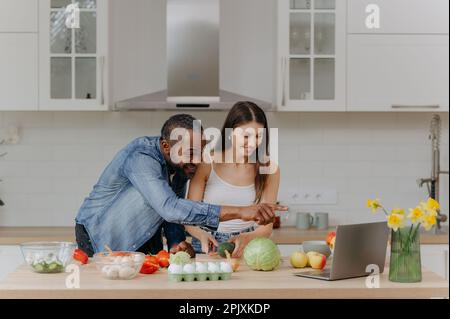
(186, 153)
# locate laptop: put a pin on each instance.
(356, 247)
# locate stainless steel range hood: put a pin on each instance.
(193, 56)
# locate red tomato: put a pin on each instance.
(81, 256)
(164, 262)
(163, 254)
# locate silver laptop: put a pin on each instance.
(356, 247)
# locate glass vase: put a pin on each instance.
(405, 263)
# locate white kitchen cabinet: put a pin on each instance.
(311, 54)
(435, 258)
(398, 73)
(10, 259)
(18, 71)
(398, 16)
(19, 16)
(73, 56)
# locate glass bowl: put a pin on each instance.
(48, 257)
(119, 265)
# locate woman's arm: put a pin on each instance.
(269, 196)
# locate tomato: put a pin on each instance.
(163, 254)
(81, 256)
(164, 262)
(149, 266)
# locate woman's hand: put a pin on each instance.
(240, 243)
(207, 241)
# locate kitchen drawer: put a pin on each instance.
(10, 259)
(435, 258)
(19, 16)
(398, 73)
(401, 16)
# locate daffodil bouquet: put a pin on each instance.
(405, 264)
(424, 214)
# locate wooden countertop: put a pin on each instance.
(18, 235)
(292, 235)
(283, 236)
(245, 284)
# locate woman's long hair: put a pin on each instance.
(243, 113)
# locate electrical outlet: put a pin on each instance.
(312, 197)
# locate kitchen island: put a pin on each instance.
(244, 284)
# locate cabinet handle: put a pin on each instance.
(284, 66)
(399, 106)
(102, 80)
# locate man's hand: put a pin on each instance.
(263, 214)
(183, 246)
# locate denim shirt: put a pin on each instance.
(134, 197)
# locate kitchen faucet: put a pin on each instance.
(436, 172)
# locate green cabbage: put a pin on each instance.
(180, 258)
(262, 254)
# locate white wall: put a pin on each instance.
(47, 175)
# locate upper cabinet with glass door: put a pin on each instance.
(312, 42)
(73, 51)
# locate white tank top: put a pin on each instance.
(220, 192)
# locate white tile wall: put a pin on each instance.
(61, 155)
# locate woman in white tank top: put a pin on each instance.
(236, 182)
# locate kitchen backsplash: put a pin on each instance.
(61, 155)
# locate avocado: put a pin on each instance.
(226, 246)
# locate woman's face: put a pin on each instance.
(247, 138)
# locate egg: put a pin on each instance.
(189, 269)
(201, 268)
(138, 258)
(213, 267)
(126, 272)
(225, 267)
(175, 269)
(111, 272)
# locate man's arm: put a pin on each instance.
(174, 234)
(145, 174)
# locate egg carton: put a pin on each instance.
(199, 277)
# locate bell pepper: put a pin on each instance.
(149, 266)
(81, 256)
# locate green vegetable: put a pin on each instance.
(180, 258)
(48, 268)
(262, 254)
(226, 246)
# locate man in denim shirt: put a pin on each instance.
(142, 191)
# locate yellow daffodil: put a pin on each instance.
(426, 209)
(398, 211)
(416, 214)
(433, 205)
(374, 204)
(428, 221)
(396, 221)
